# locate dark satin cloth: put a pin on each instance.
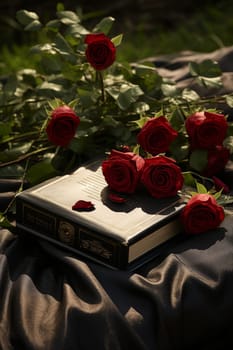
(51, 299)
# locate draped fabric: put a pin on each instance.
(52, 299)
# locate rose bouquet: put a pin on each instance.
(81, 103)
(161, 176)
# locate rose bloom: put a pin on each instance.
(156, 135)
(162, 177)
(100, 52)
(201, 213)
(206, 129)
(122, 171)
(62, 126)
(217, 160)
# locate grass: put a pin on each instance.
(205, 31)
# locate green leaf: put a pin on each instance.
(5, 223)
(104, 26)
(88, 97)
(43, 48)
(198, 160)
(177, 119)
(64, 159)
(201, 188)
(117, 40)
(169, 89)
(41, 171)
(53, 24)
(140, 122)
(14, 171)
(15, 152)
(215, 82)
(228, 143)
(33, 26)
(68, 17)
(179, 148)
(217, 195)
(225, 199)
(189, 180)
(25, 17)
(190, 95)
(60, 7)
(64, 49)
(76, 31)
(141, 107)
(5, 129)
(113, 91)
(136, 149)
(51, 64)
(207, 68)
(128, 95)
(50, 90)
(229, 100)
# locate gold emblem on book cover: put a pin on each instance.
(66, 232)
(96, 247)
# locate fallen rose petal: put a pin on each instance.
(116, 198)
(82, 205)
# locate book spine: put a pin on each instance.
(70, 235)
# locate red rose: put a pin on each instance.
(122, 171)
(62, 126)
(206, 130)
(201, 213)
(156, 135)
(217, 160)
(100, 52)
(162, 177)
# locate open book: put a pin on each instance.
(113, 234)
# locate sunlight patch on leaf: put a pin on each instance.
(117, 40)
(104, 26)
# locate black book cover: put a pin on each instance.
(114, 234)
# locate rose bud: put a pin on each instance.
(62, 125)
(100, 52)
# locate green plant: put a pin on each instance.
(112, 104)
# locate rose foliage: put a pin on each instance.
(81, 102)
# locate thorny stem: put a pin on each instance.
(100, 76)
(25, 156)
(19, 189)
(19, 137)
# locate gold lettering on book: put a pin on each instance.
(38, 219)
(95, 246)
(66, 232)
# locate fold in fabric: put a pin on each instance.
(51, 299)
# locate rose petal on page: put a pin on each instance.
(82, 205)
(116, 198)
